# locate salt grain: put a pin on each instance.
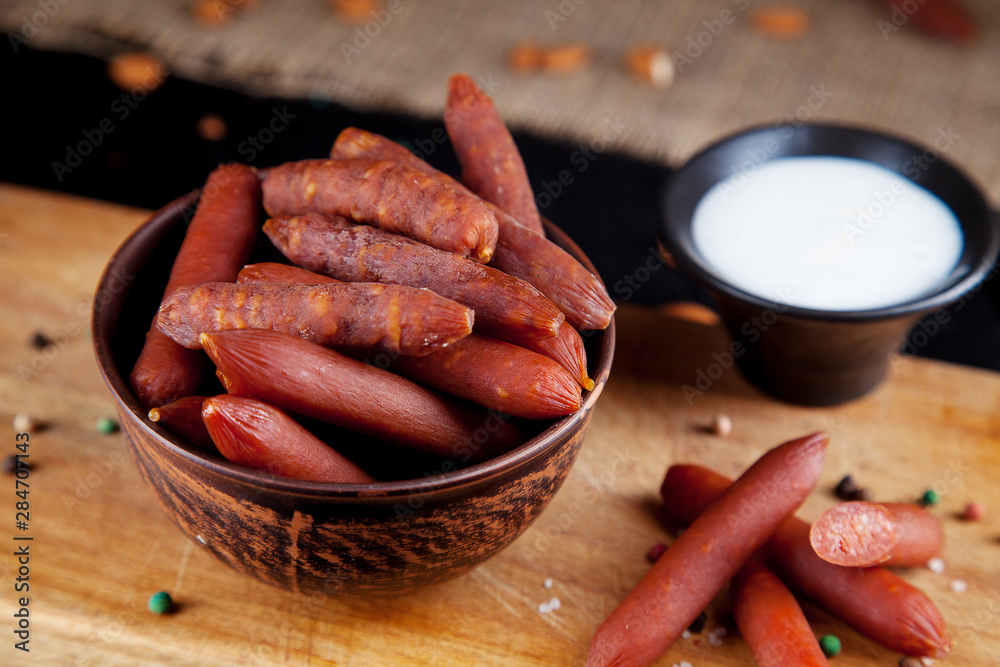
(547, 583)
(721, 425)
(652, 64)
(23, 423)
(958, 585)
(551, 605)
(935, 565)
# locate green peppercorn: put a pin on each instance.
(930, 497)
(160, 602)
(830, 644)
(107, 425)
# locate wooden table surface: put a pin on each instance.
(100, 546)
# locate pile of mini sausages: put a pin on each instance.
(414, 309)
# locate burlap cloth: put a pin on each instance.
(849, 67)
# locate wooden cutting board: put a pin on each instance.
(100, 546)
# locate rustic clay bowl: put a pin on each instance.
(342, 539)
(803, 355)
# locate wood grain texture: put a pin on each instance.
(102, 545)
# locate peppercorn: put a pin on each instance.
(40, 341)
(656, 551)
(698, 625)
(830, 644)
(848, 489)
(107, 425)
(930, 497)
(10, 464)
(160, 602)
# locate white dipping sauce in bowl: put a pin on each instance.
(827, 233)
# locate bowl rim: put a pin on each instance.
(103, 323)
(673, 228)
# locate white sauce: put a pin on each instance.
(827, 233)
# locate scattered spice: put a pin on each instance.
(160, 602)
(830, 644)
(356, 11)
(651, 64)
(782, 22)
(565, 58)
(722, 425)
(848, 489)
(910, 661)
(24, 423)
(698, 625)
(525, 57)
(10, 464)
(935, 565)
(656, 551)
(212, 127)
(691, 311)
(40, 341)
(974, 512)
(136, 70)
(217, 12)
(107, 425)
(210, 12)
(716, 635)
(930, 497)
(550, 606)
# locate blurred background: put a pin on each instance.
(135, 101)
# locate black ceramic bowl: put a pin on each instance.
(341, 539)
(816, 357)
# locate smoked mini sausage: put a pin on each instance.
(566, 348)
(272, 272)
(520, 251)
(505, 307)
(183, 418)
(217, 244)
(497, 375)
(771, 620)
(389, 195)
(395, 318)
(873, 600)
(491, 164)
(259, 436)
(705, 557)
(298, 376)
(862, 533)
(533, 258)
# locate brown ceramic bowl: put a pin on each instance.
(344, 539)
